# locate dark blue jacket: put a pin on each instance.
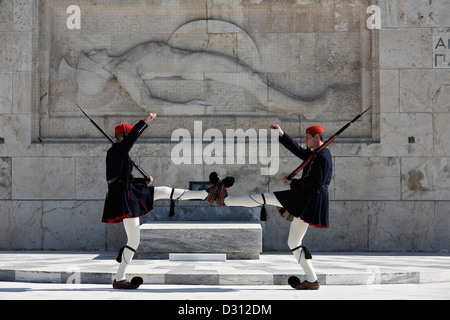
(308, 198)
(127, 197)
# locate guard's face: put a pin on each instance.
(119, 138)
(311, 141)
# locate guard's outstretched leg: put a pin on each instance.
(177, 194)
(218, 192)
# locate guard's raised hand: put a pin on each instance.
(277, 128)
(150, 117)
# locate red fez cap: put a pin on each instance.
(315, 129)
(121, 128)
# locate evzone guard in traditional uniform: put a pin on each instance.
(129, 198)
(305, 204)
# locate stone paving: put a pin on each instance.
(271, 269)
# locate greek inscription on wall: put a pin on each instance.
(441, 48)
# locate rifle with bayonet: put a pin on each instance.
(145, 175)
(323, 146)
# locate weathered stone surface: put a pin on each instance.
(6, 94)
(390, 100)
(345, 216)
(411, 228)
(405, 48)
(23, 92)
(90, 179)
(72, 225)
(16, 129)
(425, 90)
(16, 51)
(407, 134)
(43, 178)
(380, 176)
(442, 219)
(22, 15)
(442, 134)
(5, 15)
(5, 178)
(425, 179)
(21, 226)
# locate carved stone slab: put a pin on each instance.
(293, 63)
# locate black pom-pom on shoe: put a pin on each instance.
(214, 178)
(293, 281)
(228, 181)
(137, 281)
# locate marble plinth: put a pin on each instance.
(238, 240)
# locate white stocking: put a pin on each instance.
(297, 231)
(179, 194)
(133, 232)
(252, 200)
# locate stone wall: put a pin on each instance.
(391, 183)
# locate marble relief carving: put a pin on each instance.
(154, 61)
(201, 69)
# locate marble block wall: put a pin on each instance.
(391, 181)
